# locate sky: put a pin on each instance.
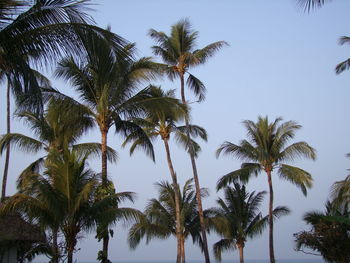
(279, 63)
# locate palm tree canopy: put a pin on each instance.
(158, 220)
(163, 123)
(109, 86)
(39, 32)
(238, 218)
(267, 149)
(178, 51)
(54, 130)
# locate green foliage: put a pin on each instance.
(158, 220)
(266, 150)
(329, 234)
(178, 51)
(238, 218)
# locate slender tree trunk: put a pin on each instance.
(183, 254)
(70, 250)
(104, 133)
(105, 240)
(196, 179)
(241, 253)
(7, 157)
(55, 246)
(271, 249)
(177, 199)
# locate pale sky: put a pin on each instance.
(280, 62)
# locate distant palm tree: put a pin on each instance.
(163, 123)
(238, 218)
(179, 53)
(266, 151)
(108, 84)
(158, 221)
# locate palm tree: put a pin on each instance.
(108, 85)
(54, 130)
(36, 33)
(266, 150)
(163, 123)
(329, 234)
(76, 188)
(15, 84)
(178, 52)
(238, 218)
(159, 219)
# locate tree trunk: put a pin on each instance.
(271, 249)
(104, 178)
(55, 251)
(195, 176)
(241, 252)
(177, 199)
(7, 157)
(183, 255)
(70, 250)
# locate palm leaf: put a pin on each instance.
(297, 176)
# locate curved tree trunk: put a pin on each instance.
(177, 200)
(196, 179)
(105, 241)
(7, 157)
(271, 249)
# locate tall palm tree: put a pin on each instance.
(37, 33)
(108, 84)
(162, 123)
(266, 150)
(238, 218)
(158, 221)
(179, 53)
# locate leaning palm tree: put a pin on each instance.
(238, 218)
(159, 219)
(179, 53)
(266, 150)
(108, 84)
(163, 123)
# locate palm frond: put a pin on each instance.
(243, 174)
(297, 176)
(21, 142)
(196, 86)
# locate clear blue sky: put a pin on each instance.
(280, 62)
